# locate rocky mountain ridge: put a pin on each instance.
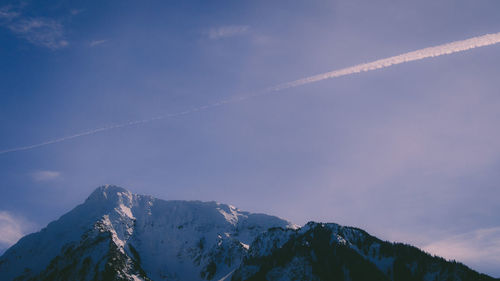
(117, 235)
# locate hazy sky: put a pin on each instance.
(409, 153)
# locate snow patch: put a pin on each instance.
(109, 227)
(124, 210)
(231, 216)
(246, 246)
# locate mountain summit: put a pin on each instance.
(118, 235)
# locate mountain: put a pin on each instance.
(117, 235)
(321, 251)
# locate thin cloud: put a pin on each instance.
(44, 32)
(94, 43)
(478, 247)
(41, 32)
(12, 228)
(45, 175)
(75, 12)
(227, 31)
(7, 15)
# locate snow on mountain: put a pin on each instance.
(139, 237)
(117, 235)
(320, 251)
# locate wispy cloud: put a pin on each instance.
(227, 31)
(75, 12)
(478, 247)
(45, 175)
(7, 15)
(12, 228)
(94, 43)
(44, 32)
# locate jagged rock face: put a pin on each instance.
(117, 235)
(96, 257)
(333, 252)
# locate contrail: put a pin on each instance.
(445, 49)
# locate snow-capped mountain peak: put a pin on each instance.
(118, 235)
(110, 193)
(153, 238)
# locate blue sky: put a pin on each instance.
(410, 153)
